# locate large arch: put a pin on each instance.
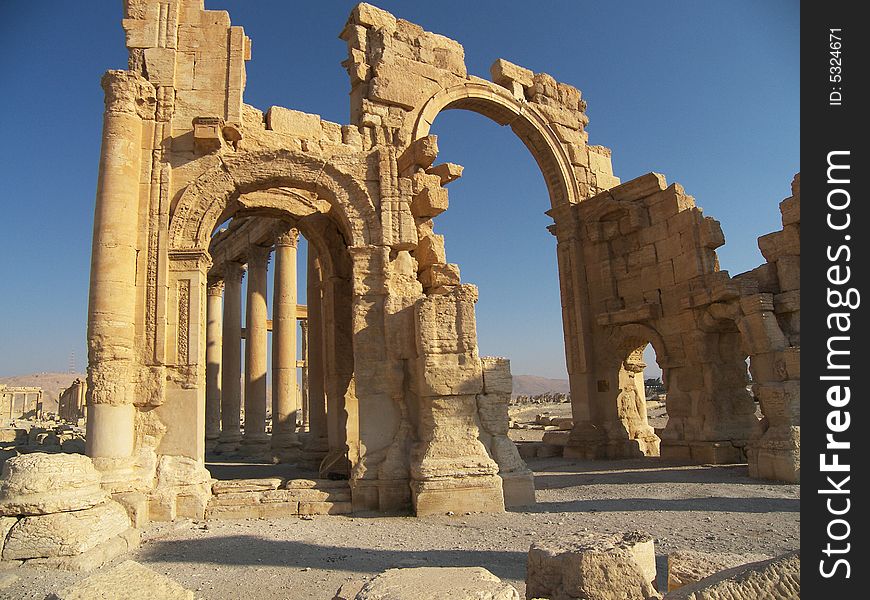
(527, 122)
(208, 200)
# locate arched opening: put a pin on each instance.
(294, 374)
(287, 218)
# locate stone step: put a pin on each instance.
(275, 497)
(274, 510)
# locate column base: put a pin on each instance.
(384, 496)
(255, 444)
(468, 494)
(704, 452)
(227, 443)
(118, 474)
(586, 441)
(285, 440)
(776, 456)
(211, 442)
(519, 488)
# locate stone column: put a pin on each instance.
(316, 417)
(231, 358)
(284, 401)
(112, 316)
(303, 325)
(256, 350)
(213, 363)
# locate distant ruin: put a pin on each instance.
(400, 402)
(20, 402)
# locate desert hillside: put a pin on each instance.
(532, 385)
(52, 384)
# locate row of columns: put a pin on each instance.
(223, 353)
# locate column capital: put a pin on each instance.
(233, 271)
(258, 256)
(215, 286)
(128, 92)
(303, 324)
(286, 236)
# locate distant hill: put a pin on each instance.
(532, 385)
(52, 385)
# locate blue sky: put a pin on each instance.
(705, 92)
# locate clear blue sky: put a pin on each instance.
(705, 92)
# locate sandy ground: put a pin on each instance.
(712, 508)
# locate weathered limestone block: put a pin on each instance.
(6, 524)
(518, 482)
(775, 579)
(497, 377)
(123, 582)
(246, 485)
(429, 202)
(450, 466)
(65, 533)
(293, 122)
(422, 153)
(96, 557)
(430, 251)
(446, 172)
(506, 74)
(424, 583)
(373, 17)
(40, 483)
(688, 566)
(595, 567)
(440, 278)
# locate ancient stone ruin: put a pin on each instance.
(198, 189)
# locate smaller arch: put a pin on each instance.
(213, 196)
(531, 127)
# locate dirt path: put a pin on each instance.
(707, 508)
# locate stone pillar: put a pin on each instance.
(112, 316)
(303, 325)
(316, 416)
(284, 398)
(231, 358)
(256, 350)
(213, 363)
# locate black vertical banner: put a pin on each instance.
(835, 439)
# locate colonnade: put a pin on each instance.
(298, 406)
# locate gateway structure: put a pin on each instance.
(198, 189)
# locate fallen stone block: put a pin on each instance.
(127, 581)
(66, 533)
(41, 483)
(775, 579)
(688, 566)
(429, 583)
(593, 567)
